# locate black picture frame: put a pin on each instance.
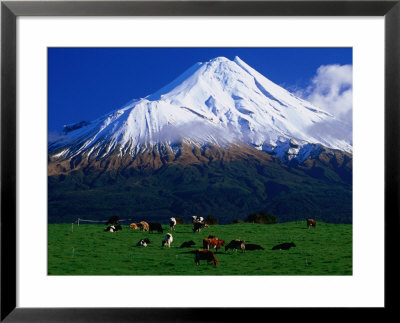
(10, 10)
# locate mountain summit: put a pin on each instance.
(219, 102)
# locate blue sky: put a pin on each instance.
(86, 83)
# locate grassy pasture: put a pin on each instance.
(88, 250)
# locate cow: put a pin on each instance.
(167, 240)
(311, 223)
(284, 246)
(197, 226)
(172, 223)
(110, 228)
(134, 226)
(144, 226)
(187, 244)
(113, 220)
(155, 226)
(215, 243)
(202, 254)
(236, 244)
(197, 219)
(143, 242)
(250, 246)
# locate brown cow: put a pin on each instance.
(215, 243)
(144, 226)
(134, 226)
(202, 254)
(311, 223)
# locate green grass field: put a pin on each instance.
(88, 250)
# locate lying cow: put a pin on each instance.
(167, 240)
(154, 226)
(143, 242)
(110, 228)
(187, 244)
(250, 246)
(215, 243)
(236, 244)
(284, 246)
(208, 255)
(172, 223)
(113, 220)
(311, 223)
(113, 228)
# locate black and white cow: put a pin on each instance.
(113, 228)
(143, 242)
(172, 223)
(167, 240)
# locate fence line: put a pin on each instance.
(98, 221)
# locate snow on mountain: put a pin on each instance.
(220, 102)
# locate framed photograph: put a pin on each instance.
(163, 152)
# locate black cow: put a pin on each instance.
(236, 244)
(284, 246)
(250, 246)
(154, 226)
(187, 244)
(197, 226)
(113, 220)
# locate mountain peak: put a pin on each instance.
(218, 102)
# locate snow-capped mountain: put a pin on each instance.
(221, 103)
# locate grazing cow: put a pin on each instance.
(187, 244)
(197, 226)
(250, 246)
(284, 246)
(197, 219)
(167, 240)
(208, 255)
(143, 242)
(155, 226)
(236, 244)
(311, 223)
(144, 226)
(113, 220)
(172, 223)
(134, 226)
(215, 243)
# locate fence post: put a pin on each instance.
(72, 226)
(78, 222)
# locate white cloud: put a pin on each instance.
(332, 90)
